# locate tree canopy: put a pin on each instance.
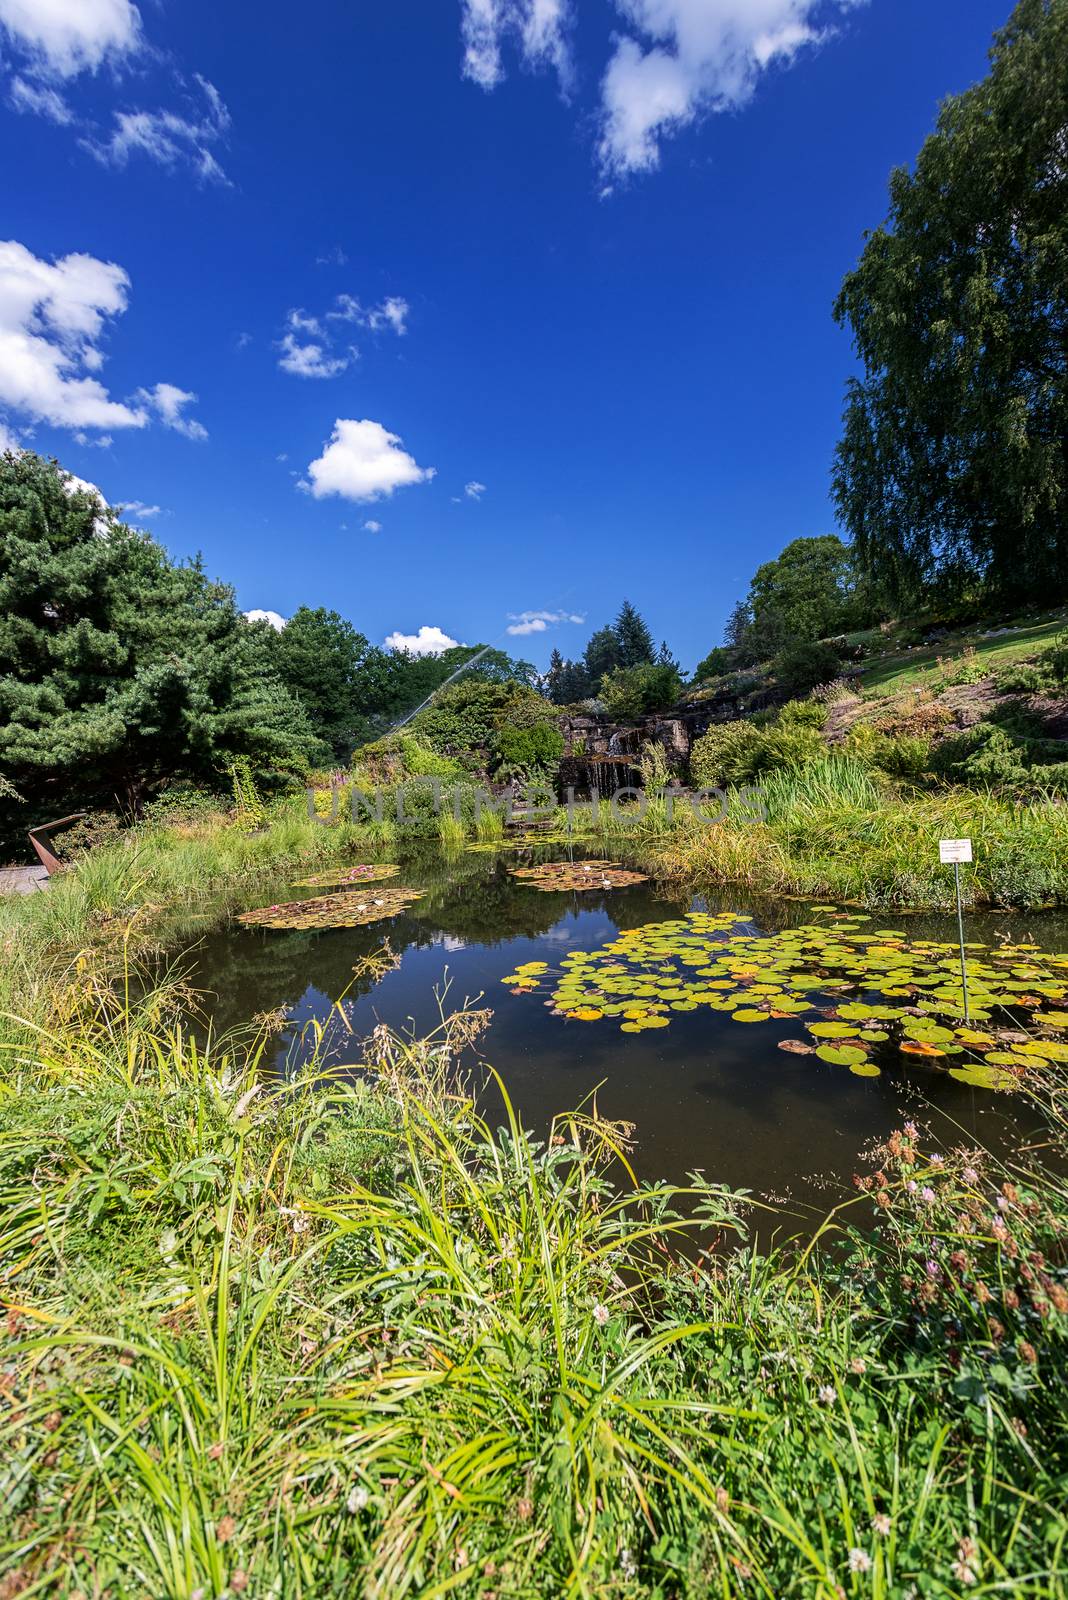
(118, 668)
(952, 471)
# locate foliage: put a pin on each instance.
(249, 810)
(803, 666)
(803, 714)
(726, 753)
(119, 671)
(1007, 753)
(952, 474)
(519, 751)
(1047, 674)
(464, 718)
(319, 655)
(631, 692)
(622, 644)
(717, 662)
(354, 1340)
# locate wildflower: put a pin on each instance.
(1010, 1192)
(828, 1394)
(601, 1315)
(997, 1332)
(881, 1524)
(1028, 1353)
(964, 1569)
(723, 1501)
(1059, 1297)
(937, 1161)
(970, 1175)
(859, 1561)
(911, 1130)
(168, 1243)
(214, 1451)
(934, 1271)
(1012, 1299)
(858, 1365)
(226, 1529)
(982, 1293)
(239, 1580)
(927, 1195)
(1003, 1204)
(912, 1186)
(882, 1200)
(524, 1509)
(1019, 1428)
(357, 1500)
(627, 1564)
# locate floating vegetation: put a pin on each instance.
(332, 910)
(581, 875)
(869, 993)
(525, 841)
(374, 872)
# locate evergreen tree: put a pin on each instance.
(601, 655)
(634, 638)
(118, 669)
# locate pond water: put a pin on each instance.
(704, 1092)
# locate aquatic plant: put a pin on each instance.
(876, 994)
(583, 876)
(332, 910)
(374, 872)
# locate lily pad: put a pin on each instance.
(332, 910)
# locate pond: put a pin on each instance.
(703, 1090)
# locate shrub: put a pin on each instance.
(518, 751)
(803, 714)
(638, 691)
(801, 667)
(727, 753)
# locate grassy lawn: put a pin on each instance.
(913, 668)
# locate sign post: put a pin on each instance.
(954, 851)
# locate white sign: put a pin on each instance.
(951, 850)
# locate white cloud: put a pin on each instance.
(680, 60)
(334, 257)
(39, 99)
(103, 441)
(391, 313)
(525, 622)
(168, 138)
(363, 461)
(65, 37)
(277, 622)
(169, 403)
(308, 360)
(474, 490)
(697, 56)
(136, 513)
(538, 28)
(371, 526)
(427, 642)
(51, 316)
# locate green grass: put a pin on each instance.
(353, 1340)
(930, 666)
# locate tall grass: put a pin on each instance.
(344, 1336)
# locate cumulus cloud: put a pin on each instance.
(277, 622)
(371, 526)
(169, 403)
(390, 314)
(427, 642)
(679, 60)
(308, 360)
(168, 137)
(52, 316)
(474, 490)
(537, 28)
(64, 37)
(363, 461)
(525, 622)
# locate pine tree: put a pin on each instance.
(118, 669)
(635, 640)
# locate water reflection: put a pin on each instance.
(705, 1093)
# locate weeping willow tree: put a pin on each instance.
(952, 472)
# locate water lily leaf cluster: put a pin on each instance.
(333, 910)
(525, 841)
(551, 876)
(373, 872)
(863, 998)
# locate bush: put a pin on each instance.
(801, 667)
(519, 751)
(803, 714)
(727, 753)
(790, 746)
(1047, 675)
(638, 691)
(1002, 755)
(464, 719)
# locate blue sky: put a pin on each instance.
(300, 278)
